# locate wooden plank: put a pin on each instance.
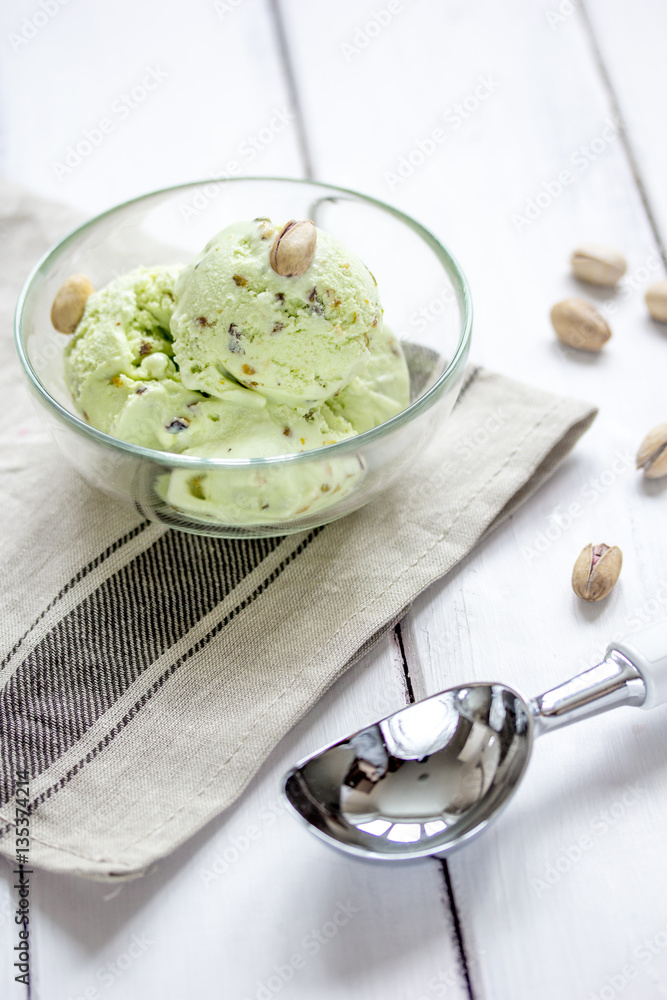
(635, 65)
(182, 95)
(493, 188)
(255, 905)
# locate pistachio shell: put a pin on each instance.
(69, 303)
(652, 454)
(294, 248)
(656, 300)
(596, 571)
(579, 325)
(598, 264)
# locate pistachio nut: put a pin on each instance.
(598, 264)
(266, 228)
(596, 571)
(69, 303)
(656, 300)
(652, 454)
(578, 324)
(294, 248)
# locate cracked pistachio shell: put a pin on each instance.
(596, 571)
(293, 249)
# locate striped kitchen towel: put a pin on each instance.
(145, 674)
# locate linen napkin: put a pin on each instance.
(144, 673)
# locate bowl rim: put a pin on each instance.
(175, 460)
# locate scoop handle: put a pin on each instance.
(633, 672)
(647, 652)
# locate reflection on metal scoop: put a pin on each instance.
(428, 778)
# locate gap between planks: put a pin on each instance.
(290, 79)
(449, 898)
(628, 148)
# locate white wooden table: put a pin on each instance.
(521, 91)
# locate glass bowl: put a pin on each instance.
(426, 304)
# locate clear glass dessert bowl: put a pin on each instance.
(426, 304)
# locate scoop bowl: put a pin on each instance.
(421, 781)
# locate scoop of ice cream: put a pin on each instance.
(120, 370)
(296, 340)
(122, 376)
(275, 494)
(123, 335)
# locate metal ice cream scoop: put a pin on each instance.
(435, 774)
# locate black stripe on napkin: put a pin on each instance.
(81, 575)
(92, 655)
(161, 680)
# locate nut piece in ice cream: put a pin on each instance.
(70, 302)
(579, 325)
(596, 571)
(597, 264)
(652, 454)
(656, 300)
(294, 248)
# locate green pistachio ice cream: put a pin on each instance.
(294, 339)
(161, 359)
